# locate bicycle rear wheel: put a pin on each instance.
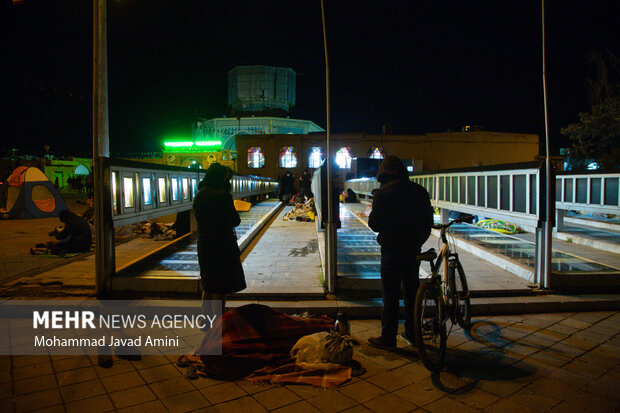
(457, 282)
(430, 332)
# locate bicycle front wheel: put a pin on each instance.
(430, 332)
(457, 283)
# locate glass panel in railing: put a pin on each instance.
(504, 192)
(568, 190)
(582, 190)
(595, 191)
(519, 193)
(161, 184)
(611, 191)
(442, 189)
(146, 191)
(455, 189)
(128, 191)
(471, 190)
(533, 193)
(185, 188)
(114, 192)
(492, 192)
(174, 185)
(481, 190)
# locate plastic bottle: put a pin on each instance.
(341, 325)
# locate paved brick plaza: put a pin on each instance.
(544, 362)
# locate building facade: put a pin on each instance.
(63, 169)
(273, 155)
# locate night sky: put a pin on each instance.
(420, 66)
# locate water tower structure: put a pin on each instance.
(261, 90)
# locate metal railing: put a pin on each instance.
(141, 191)
(362, 186)
(507, 192)
(513, 192)
(596, 192)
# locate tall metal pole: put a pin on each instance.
(104, 252)
(330, 227)
(548, 230)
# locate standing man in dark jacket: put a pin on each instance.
(305, 183)
(403, 216)
(287, 187)
(221, 272)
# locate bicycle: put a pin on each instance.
(443, 296)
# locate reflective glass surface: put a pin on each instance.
(522, 251)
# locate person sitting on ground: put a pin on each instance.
(349, 196)
(74, 237)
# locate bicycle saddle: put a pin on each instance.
(429, 255)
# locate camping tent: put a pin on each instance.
(32, 195)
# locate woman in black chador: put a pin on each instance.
(221, 272)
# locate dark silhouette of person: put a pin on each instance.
(221, 272)
(305, 183)
(287, 186)
(403, 216)
(74, 237)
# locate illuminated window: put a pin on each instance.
(114, 200)
(343, 157)
(194, 187)
(146, 191)
(161, 182)
(315, 158)
(288, 157)
(128, 191)
(185, 188)
(256, 159)
(174, 184)
(376, 153)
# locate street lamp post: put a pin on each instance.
(104, 237)
(330, 227)
(548, 227)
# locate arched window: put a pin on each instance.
(375, 153)
(343, 157)
(288, 157)
(256, 159)
(315, 158)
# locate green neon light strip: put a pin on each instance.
(208, 143)
(193, 146)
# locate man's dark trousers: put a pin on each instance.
(398, 268)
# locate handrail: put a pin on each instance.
(141, 190)
(592, 191)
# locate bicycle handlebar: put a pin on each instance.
(467, 219)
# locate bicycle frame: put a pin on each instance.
(443, 262)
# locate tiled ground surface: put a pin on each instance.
(20, 235)
(531, 363)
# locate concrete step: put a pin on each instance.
(371, 308)
(599, 244)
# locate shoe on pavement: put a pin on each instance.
(410, 341)
(379, 342)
